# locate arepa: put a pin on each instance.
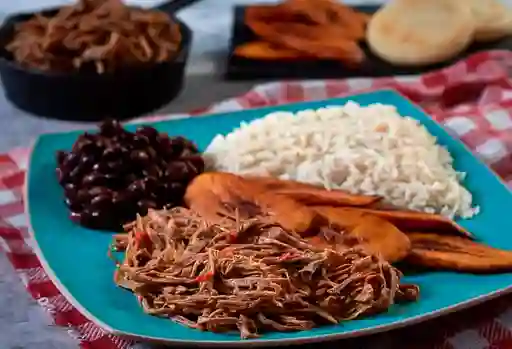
(420, 32)
(493, 20)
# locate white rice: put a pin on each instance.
(370, 150)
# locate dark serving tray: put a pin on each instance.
(239, 68)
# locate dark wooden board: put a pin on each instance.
(239, 68)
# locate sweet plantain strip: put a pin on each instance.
(406, 221)
(420, 221)
(382, 238)
(344, 219)
(312, 195)
(456, 253)
(268, 13)
(322, 29)
(328, 197)
(273, 183)
(266, 51)
(217, 194)
(374, 234)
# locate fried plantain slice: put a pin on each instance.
(406, 221)
(345, 219)
(363, 17)
(328, 43)
(319, 196)
(456, 253)
(266, 51)
(330, 13)
(420, 221)
(380, 237)
(273, 183)
(215, 195)
(312, 195)
(200, 198)
(269, 13)
(374, 234)
(322, 29)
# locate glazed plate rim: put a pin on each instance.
(262, 342)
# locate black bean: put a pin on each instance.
(112, 153)
(94, 179)
(110, 127)
(115, 166)
(177, 171)
(85, 145)
(140, 141)
(112, 181)
(72, 204)
(101, 202)
(161, 187)
(178, 188)
(62, 177)
(70, 187)
(149, 132)
(76, 217)
(100, 144)
(87, 162)
(61, 157)
(91, 212)
(151, 152)
(151, 184)
(70, 190)
(196, 162)
(175, 190)
(172, 148)
(145, 205)
(163, 145)
(187, 152)
(152, 171)
(189, 145)
(80, 141)
(91, 149)
(137, 188)
(70, 161)
(140, 156)
(101, 167)
(93, 218)
(83, 196)
(129, 178)
(160, 162)
(177, 146)
(76, 174)
(123, 197)
(124, 155)
(99, 190)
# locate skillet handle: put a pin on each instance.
(173, 6)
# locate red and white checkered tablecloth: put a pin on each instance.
(472, 99)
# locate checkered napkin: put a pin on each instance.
(472, 99)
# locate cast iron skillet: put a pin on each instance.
(88, 96)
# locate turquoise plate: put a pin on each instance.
(76, 258)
